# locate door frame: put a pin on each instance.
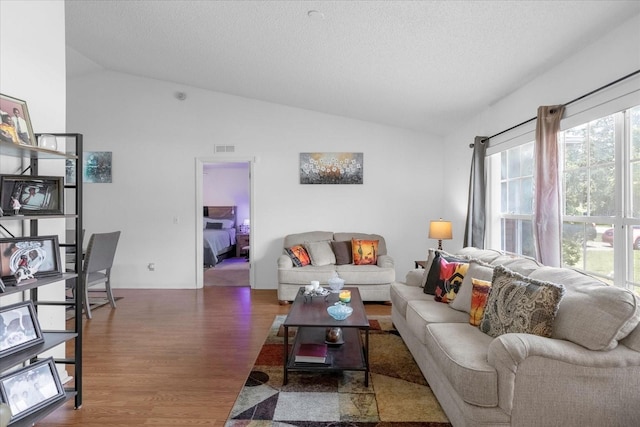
(199, 177)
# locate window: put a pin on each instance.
(600, 176)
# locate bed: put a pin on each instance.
(219, 233)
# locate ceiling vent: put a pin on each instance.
(225, 149)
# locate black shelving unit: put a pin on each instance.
(72, 334)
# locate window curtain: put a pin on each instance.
(547, 217)
(475, 226)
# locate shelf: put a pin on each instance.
(10, 289)
(15, 150)
(51, 339)
(31, 217)
(31, 419)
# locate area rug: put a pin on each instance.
(229, 272)
(397, 395)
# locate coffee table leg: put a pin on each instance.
(286, 355)
(366, 357)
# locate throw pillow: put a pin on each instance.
(519, 304)
(433, 276)
(479, 294)
(298, 255)
(451, 276)
(213, 226)
(342, 250)
(364, 252)
(477, 270)
(320, 253)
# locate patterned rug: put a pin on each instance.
(397, 395)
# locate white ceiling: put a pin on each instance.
(421, 65)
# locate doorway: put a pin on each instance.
(225, 182)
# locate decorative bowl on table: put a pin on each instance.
(339, 311)
(335, 283)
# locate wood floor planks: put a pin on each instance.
(172, 357)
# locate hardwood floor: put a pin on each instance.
(172, 357)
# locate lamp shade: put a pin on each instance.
(440, 230)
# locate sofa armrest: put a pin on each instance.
(553, 368)
(415, 277)
(284, 261)
(386, 261)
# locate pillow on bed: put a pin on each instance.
(226, 223)
(213, 226)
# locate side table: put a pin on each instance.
(421, 264)
(242, 241)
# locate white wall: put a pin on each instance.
(155, 138)
(32, 68)
(609, 58)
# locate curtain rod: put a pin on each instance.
(568, 103)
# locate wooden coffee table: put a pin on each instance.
(312, 320)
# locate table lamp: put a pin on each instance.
(440, 230)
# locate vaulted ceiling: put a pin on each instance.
(420, 65)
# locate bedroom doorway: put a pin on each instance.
(224, 182)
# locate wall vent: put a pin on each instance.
(225, 148)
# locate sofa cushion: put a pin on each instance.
(364, 252)
(484, 255)
(342, 251)
(298, 255)
(479, 297)
(433, 275)
(414, 277)
(520, 305)
(477, 270)
(592, 313)
(423, 312)
(320, 253)
(311, 236)
(401, 294)
(451, 277)
(460, 353)
(524, 266)
(302, 276)
(382, 246)
(365, 274)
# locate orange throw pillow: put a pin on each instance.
(299, 255)
(365, 252)
(479, 297)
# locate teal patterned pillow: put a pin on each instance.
(518, 304)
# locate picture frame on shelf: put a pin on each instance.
(17, 129)
(19, 328)
(36, 195)
(39, 254)
(31, 388)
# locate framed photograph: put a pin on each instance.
(97, 166)
(331, 168)
(31, 388)
(19, 328)
(23, 256)
(31, 195)
(15, 123)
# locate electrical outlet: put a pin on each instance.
(151, 266)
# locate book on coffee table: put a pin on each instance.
(311, 353)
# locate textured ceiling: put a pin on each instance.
(420, 65)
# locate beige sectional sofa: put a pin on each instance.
(373, 281)
(586, 374)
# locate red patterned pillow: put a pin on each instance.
(364, 252)
(479, 297)
(299, 255)
(451, 276)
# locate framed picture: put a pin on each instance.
(23, 256)
(31, 388)
(15, 123)
(19, 328)
(331, 168)
(32, 195)
(97, 166)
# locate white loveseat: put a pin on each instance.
(586, 374)
(373, 281)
